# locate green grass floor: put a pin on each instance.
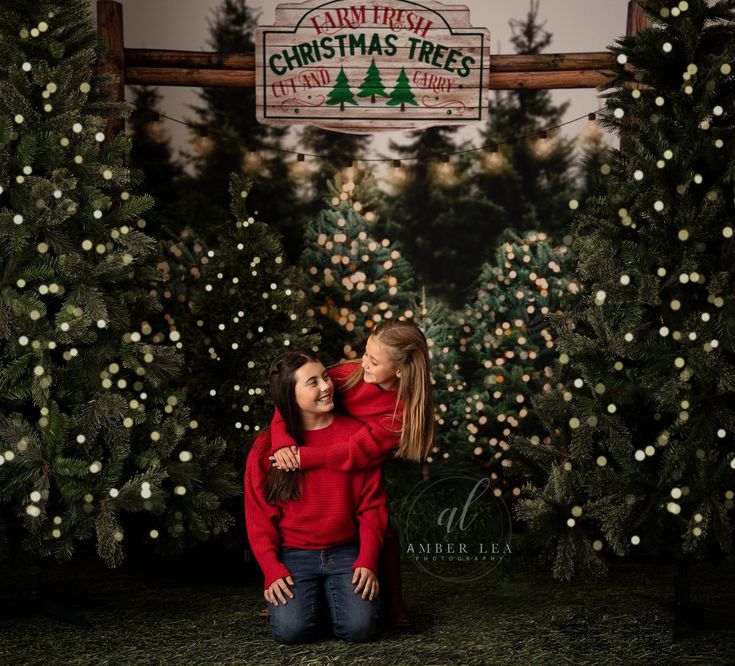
(207, 614)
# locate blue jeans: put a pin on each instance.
(329, 570)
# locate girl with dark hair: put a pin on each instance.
(390, 391)
(317, 530)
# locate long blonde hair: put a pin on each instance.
(407, 348)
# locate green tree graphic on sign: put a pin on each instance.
(402, 94)
(372, 85)
(341, 92)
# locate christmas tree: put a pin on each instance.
(245, 309)
(434, 214)
(593, 158)
(180, 262)
(372, 85)
(509, 353)
(230, 139)
(641, 448)
(355, 279)
(442, 329)
(97, 440)
(336, 151)
(341, 92)
(528, 176)
(401, 93)
(163, 177)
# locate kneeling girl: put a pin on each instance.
(315, 530)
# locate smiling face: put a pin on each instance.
(314, 390)
(378, 367)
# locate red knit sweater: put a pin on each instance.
(335, 508)
(368, 447)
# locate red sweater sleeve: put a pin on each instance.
(368, 447)
(372, 518)
(279, 434)
(261, 518)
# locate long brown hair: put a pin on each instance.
(407, 348)
(283, 485)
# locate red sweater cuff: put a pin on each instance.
(371, 543)
(272, 571)
(368, 557)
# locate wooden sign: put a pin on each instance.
(361, 67)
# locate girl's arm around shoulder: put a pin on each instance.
(369, 446)
(279, 434)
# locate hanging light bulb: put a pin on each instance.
(444, 172)
(348, 173)
(155, 128)
(252, 160)
(397, 174)
(203, 143)
(300, 168)
(543, 146)
(493, 158)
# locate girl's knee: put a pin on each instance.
(293, 633)
(358, 629)
(292, 625)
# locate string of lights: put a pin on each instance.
(492, 147)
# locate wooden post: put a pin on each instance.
(637, 21)
(112, 62)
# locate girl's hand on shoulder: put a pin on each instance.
(287, 458)
(366, 581)
(278, 590)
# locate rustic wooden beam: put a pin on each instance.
(515, 80)
(507, 72)
(112, 62)
(543, 62)
(188, 59)
(546, 62)
(171, 76)
(551, 80)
